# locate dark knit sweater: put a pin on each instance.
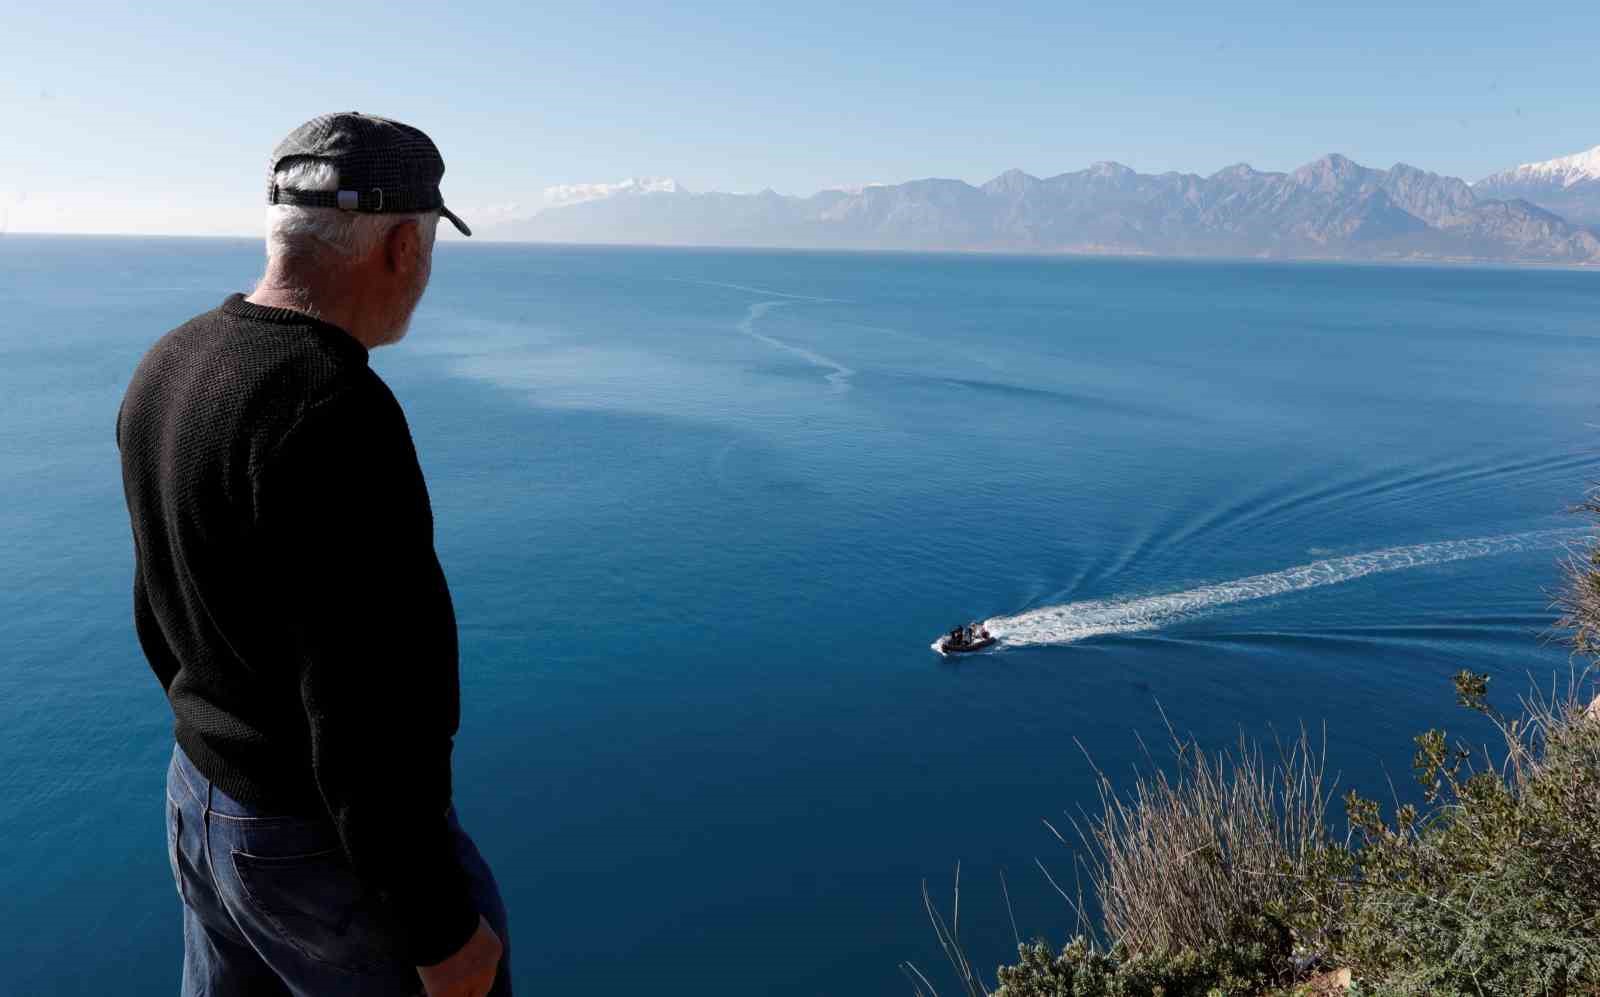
(287, 595)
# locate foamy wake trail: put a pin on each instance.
(1074, 621)
(838, 376)
(753, 290)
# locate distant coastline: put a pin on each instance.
(1330, 209)
(1061, 254)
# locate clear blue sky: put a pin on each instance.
(160, 119)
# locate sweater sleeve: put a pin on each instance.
(344, 509)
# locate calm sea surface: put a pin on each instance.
(703, 513)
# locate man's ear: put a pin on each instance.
(403, 247)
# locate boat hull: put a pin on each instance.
(946, 647)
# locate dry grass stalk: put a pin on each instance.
(1578, 599)
(1194, 853)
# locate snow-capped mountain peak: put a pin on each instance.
(1564, 171)
(855, 188)
(575, 193)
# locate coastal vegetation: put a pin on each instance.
(1223, 873)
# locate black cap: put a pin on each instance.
(385, 167)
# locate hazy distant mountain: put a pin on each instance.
(1569, 186)
(1330, 208)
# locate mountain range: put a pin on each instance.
(1330, 208)
(1568, 185)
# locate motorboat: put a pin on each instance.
(964, 639)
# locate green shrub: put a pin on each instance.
(1083, 970)
(1495, 889)
(1223, 879)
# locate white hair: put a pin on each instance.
(329, 234)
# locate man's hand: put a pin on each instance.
(468, 973)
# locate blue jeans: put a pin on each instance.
(271, 907)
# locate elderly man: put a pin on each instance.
(288, 597)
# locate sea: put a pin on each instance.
(703, 513)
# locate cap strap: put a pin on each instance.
(375, 200)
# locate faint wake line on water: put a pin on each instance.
(1075, 621)
(840, 376)
(753, 290)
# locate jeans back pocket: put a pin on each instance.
(318, 907)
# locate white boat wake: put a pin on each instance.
(839, 375)
(754, 290)
(1074, 621)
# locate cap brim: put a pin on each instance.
(460, 225)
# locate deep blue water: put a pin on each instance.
(703, 512)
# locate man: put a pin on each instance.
(287, 595)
